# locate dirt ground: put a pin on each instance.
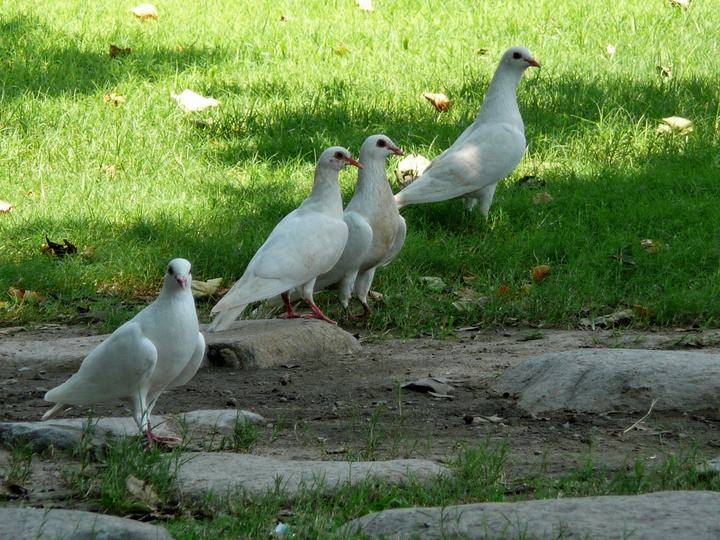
(351, 406)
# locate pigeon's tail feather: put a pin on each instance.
(52, 412)
(223, 320)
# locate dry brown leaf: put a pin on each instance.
(642, 311)
(365, 5)
(377, 296)
(16, 293)
(664, 71)
(142, 492)
(203, 289)
(675, 124)
(5, 207)
(542, 198)
(540, 272)
(114, 51)
(145, 12)
(33, 297)
(411, 168)
(440, 101)
(114, 99)
(190, 101)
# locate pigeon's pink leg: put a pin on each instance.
(317, 314)
(152, 438)
(289, 311)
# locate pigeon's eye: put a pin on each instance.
(516, 55)
(170, 271)
(338, 155)
(381, 143)
(190, 270)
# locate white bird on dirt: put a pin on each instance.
(160, 348)
(305, 244)
(486, 152)
(376, 229)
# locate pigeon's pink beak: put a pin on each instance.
(182, 281)
(395, 150)
(353, 162)
(532, 62)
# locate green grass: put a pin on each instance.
(211, 193)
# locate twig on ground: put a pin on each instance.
(643, 418)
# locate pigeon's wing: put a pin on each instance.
(192, 366)
(397, 243)
(300, 248)
(360, 236)
(118, 368)
(489, 153)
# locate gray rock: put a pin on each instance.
(51, 524)
(601, 380)
(249, 344)
(680, 515)
(66, 433)
(272, 342)
(223, 473)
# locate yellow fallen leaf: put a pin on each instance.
(4, 304)
(114, 51)
(341, 49)
(202, 289)
(145, 12)
(190, 101)
(540, 272)
(5, 207)
(365, 5)
(114, 99)
(675, 124)
(542, 198)
(410, 168)
(440, 101)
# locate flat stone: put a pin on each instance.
(223, 473)
(248, 344)
(602, 380)
(263, 343)
(66, 433)
(680, 515)
(50, 524)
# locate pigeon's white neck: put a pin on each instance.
(172, 292)
(326, 190)
(372, 179)
(500, 103)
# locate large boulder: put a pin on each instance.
(50, 524)
(602, 380)
(222, 473)
(266, 343)
(680, 515)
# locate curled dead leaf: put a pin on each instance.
(440, 101)
(664, 71)
(5, 207)
(375, 295)
(142, 493)
(16, 293)
(203, 289)
(190, 101)
(365, 5)
(31, 297)
(114, 99)
(411, 168)
(114, 51)
(145, 12)
(675, 124)
(542, 198)
(540, 272)
(649, 246)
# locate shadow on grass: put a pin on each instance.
(45, 63)
(555, 111)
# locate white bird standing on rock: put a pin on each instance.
(376, 229)
(160, 348)
(486, 152)
(305, 244)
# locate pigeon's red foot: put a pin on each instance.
(290, 313)
(152, 439)
(317, 314)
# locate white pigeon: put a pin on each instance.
(486, 152)
(305, 244)
(376, 229)
(160, 348)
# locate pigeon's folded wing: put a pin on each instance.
(360, 236)
(118, 368)
(488, 153)
(398, 242)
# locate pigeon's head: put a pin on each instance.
(519, 58)
(177, 274)
(378, 147)
(336, 157)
